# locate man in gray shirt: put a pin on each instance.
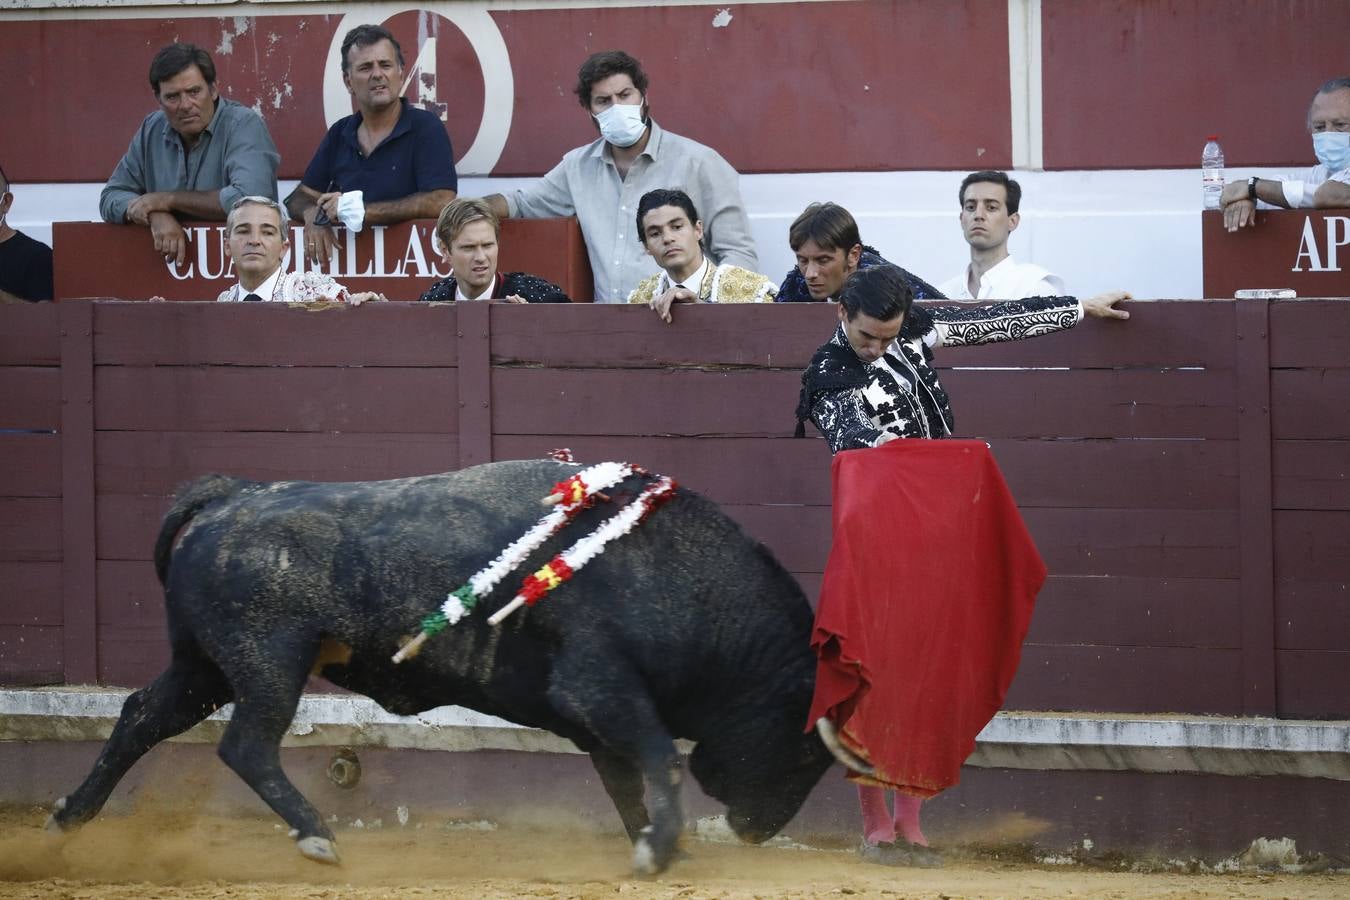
(602, 182)
(195, 156)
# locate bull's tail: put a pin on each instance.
(189, 501)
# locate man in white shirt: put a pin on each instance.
(602, 182)
(989, 214)
(1323, 186)
(671, 230)
(255, 239)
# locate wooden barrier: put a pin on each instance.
(1304, 249)
(399, 261)
(1183, 473)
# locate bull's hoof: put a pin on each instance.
(319, 849)
(647, 859)
(644, 858)
(54, 825)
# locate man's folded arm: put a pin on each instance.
(204, 205)
(841, 418)
(125, 185)
(251, 161)
(1334, 193)
(422, 205)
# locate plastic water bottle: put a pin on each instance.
(1211, 170)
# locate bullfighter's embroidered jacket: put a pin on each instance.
(852, 402)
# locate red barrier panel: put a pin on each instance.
(1304, 249)
(1182, 474)
(92, 259)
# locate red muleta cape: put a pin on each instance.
(927, 596)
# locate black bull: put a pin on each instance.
(684, 628)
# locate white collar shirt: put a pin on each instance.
(1299, 187)
(1008, 280)
(267, 290)
(693, 283)
(486, 295)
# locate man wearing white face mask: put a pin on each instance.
(602, 182)
(1324, 186)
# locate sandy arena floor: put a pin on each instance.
(156, 853)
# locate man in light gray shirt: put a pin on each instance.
(195, 156)
(602, 182)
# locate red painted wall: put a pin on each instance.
(1134, 84)
(781, 87)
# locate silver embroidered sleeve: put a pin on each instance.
(1011, 321)
(842, 419)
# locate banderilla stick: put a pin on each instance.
(411, 648)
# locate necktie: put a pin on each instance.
(253, 297)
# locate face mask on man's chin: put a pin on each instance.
(622, 125)
(1332, 149)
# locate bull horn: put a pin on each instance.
(830, 736)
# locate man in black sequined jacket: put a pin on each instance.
(873, 381)
(468, 233)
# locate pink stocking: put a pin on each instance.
(877, 826)
(907, 819)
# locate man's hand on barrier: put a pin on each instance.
(170, 239)
(675, 295)
(1239, 213)
(1103, 306)
(139, 210)
(364, 297)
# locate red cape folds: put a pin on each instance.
(927, 596)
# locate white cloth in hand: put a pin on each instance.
(352, 210)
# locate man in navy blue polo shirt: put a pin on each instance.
(388, 162)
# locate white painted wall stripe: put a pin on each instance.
(1024, 83)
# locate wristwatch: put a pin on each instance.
(1251, 188)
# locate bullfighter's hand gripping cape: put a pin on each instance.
(926, 599)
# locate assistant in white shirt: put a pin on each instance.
(1008, 280)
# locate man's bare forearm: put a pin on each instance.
(301, 200)
(204, 205)
(424, 205)
(1267, 190)
(498, 204)
(1332, 195)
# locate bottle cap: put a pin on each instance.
(1212, 137)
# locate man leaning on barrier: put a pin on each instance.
(670, 228)
(194, 157)
(386, 163)
(1323, 186)
(602, 182)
